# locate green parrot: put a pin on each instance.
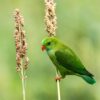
(65, 60)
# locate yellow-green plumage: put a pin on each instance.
(65, 60)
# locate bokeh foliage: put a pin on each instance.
(78, 27)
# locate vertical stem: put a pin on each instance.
(23, 82)
(58, 87)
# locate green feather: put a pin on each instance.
(88, 79)
(71, 62)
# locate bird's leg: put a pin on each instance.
(58, 78)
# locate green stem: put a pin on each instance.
(23, 83)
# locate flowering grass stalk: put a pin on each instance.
(51, 25)
(21, 48)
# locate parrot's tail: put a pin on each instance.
(89, 79)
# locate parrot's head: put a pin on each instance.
(49, 43)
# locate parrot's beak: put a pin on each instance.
(43, 48)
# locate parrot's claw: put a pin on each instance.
(58, 78)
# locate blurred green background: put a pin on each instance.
(78, 27)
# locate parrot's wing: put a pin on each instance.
(70, 61)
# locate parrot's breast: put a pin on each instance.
(63, 71)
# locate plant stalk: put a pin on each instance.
(23, 83)
(58, 87)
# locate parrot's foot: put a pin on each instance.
(58, 78)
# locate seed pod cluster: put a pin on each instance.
(20, 41)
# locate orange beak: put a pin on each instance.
(43, 48)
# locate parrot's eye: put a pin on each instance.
(48, 43)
